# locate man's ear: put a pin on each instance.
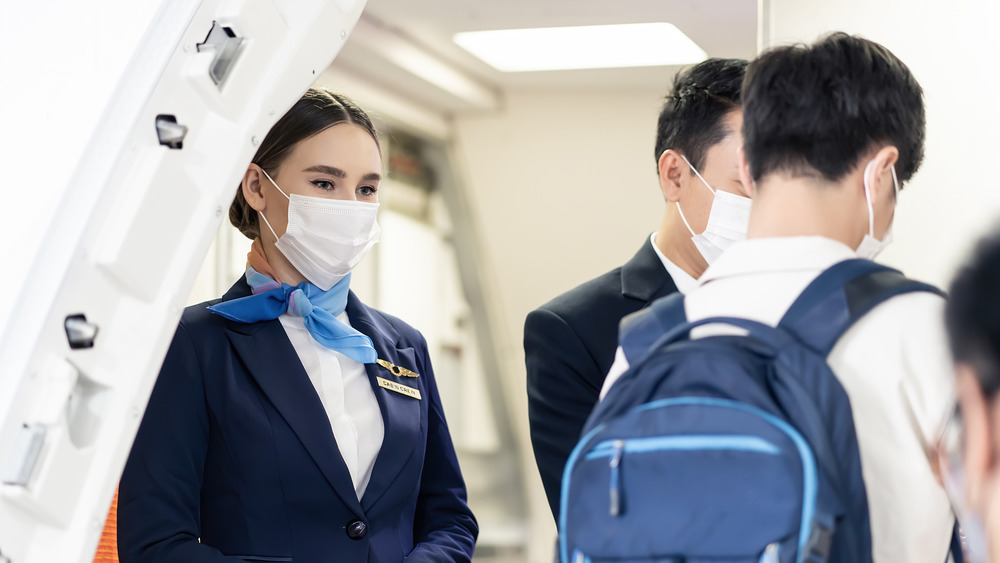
(879, 171)
(671, 168)
(748, 186)
(251, 185)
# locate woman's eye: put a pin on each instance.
(323, 185)
(367, 191)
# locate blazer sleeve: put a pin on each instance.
(564, 384)
(160, 490)
(444, 527)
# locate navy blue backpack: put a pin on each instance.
(729, 448)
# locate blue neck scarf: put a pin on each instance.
(319, 310)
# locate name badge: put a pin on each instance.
(399, 388)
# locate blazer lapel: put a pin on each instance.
(401, 414)
(644, 277)
(273, 363)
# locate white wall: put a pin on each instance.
(224, 264)
(951, 49)
(562, 187)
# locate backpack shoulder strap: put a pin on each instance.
(640, 330)
(840, 296)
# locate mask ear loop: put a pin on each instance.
(868, 200)
(695, 170)
(266, 222)
(679, 210)
(275, 184)
(868, 195)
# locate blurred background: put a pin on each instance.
(507, 188)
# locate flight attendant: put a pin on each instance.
(291, 422)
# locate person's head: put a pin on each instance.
(324, 146)
(841, 111)
(698, 132)
(972, 318)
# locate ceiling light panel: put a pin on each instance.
(593, 46)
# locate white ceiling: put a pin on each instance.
(723, 28)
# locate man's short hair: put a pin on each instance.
(972, 314)
(814, 110)
(691, 118)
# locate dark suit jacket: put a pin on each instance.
(235, 459)
(569, 346)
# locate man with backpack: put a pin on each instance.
(755, 448)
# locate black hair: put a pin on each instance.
(814, 110)
(318, 109)
(972, 314)
(691, 118)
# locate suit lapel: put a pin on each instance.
(273, 363)
(644, 277)
(401, 415)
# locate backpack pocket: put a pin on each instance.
(688, 480)
(737, 446)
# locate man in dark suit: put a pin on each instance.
(570, 342)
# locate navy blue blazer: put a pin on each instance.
(569, 346)
(235, 459)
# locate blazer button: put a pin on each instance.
(356, 529)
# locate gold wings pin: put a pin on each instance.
(396, 370)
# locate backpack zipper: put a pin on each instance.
(771, 553)
(615, 464)
(747, 443)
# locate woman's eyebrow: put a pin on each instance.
(338, 173)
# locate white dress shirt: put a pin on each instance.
(347, 396)
(683, 280)
(893, 363)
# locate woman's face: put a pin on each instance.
(341, 162)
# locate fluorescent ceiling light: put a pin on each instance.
(592, 46)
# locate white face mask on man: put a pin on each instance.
(325, 238)
(870, 246)
(728, 221)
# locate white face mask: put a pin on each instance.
(727, 221)
(325, 238)
(871, 246)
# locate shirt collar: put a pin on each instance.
(682, 279)
(777, 254)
